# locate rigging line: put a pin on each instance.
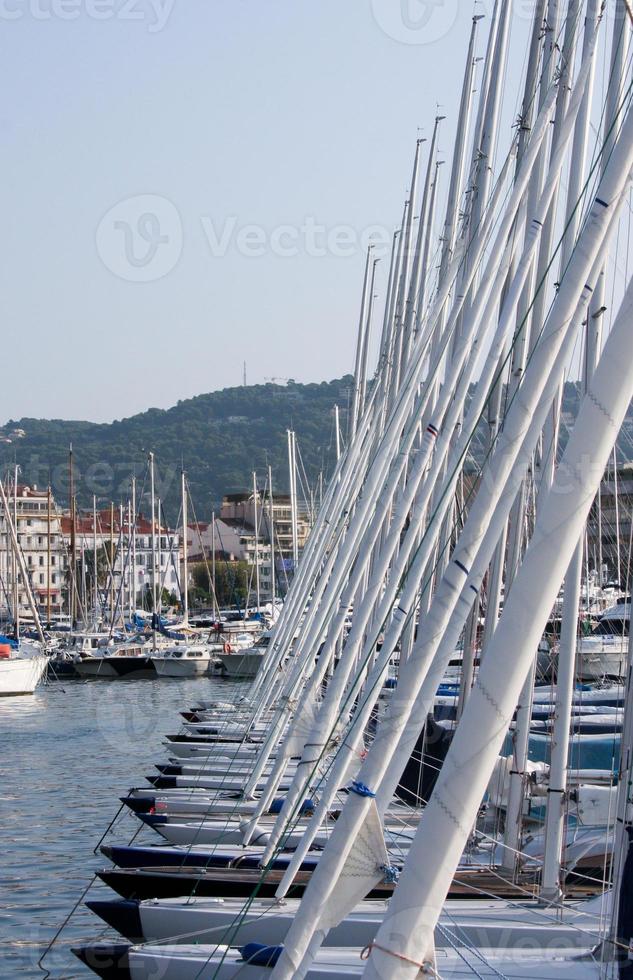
(402, 392)
(606, 84)
(416, 605)
(498, 375)
(350, 726)
(462, 956)
(203, 551)
(63, 926)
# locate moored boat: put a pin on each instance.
(19, 673)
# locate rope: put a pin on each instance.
(451, 942)
(110, 826)
(424, 967)
(46, 972)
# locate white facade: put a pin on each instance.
(235, 543)
(125, 545)
(42, 545)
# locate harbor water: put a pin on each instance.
(68, 754)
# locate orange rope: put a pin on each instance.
(426, 966)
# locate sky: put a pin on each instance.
(191, 184)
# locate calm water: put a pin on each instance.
(67, 754)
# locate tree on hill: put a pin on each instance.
(220, 437)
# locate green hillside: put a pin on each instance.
(220, 437)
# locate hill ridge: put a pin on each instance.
(219, 436)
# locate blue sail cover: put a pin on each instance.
(585, 751)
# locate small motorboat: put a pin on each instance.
(184, 660)
(125, 660)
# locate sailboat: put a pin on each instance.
(23, 663)
(20, 671)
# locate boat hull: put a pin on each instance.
(112, 668)
(21, 675)
(238, 666)
(170, 667)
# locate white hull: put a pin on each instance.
(194, 962)
(21, 675)
(595, 666)
(169, 667)
(492, 924)
(239, 664)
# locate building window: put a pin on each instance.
(41, 579)
(41, 559)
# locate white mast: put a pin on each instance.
(216, 608)
(271, 534)
(366, 335)
(95, 584)
(415, 282)
(134, 544)
(153, 520)
(256, 521)
(121, 565)
(404, 272)
(360, 341)
(418, 284)
(395, 735)
(21, 566)
(130, 565)
(185, 555)
(334, 571)
(16, 562)
(292, 464)
(566, 666)
(462, 781)
(618, 563)
(531, 315)
(465, 345)
(159, 552)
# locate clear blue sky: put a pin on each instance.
(204, 117)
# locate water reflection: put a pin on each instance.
(68, 753)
